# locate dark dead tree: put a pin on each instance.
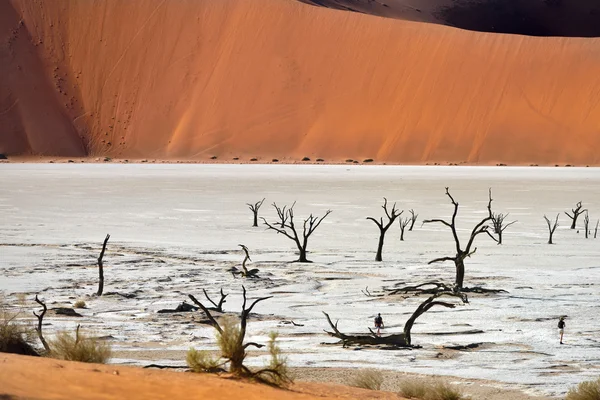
(586, 224)
(413, 219)
(217, 306)
(403, 224)
(461, 253)
(391, 216)
(399, 340)
(237, 352)
(434, 287)
(245, 272)
(254, 208)
(499, 225)
(576, 212)
(289, 230)
(101, 268)
(596, 229)
(282, 214)
(40, 318)
(551, 227)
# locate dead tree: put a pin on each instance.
(403, 224)
(551, 227)
(282, 214)
(596, 229)
(413, 219)
(254, 208)
(577, 211)
(461, 253)
(499, 225)
(40, 318)
(399, 340)
(391, 217)
(217, 306)
(245, 272)
(101, 268)
(586, 224)
(288, 228)
(236, 353)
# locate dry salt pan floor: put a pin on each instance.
(175, 230)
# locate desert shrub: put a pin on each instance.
(415, 389)
(202, 361)
(15, 336)
(232, 348)
(276, 372)
(588, 390)
(79, 347)
(443, 391)
(79, 304)
(367, 379)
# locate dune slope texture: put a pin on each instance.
(35, 378)
(279, 78)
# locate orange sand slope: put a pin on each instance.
(42, 378)
(279, 78)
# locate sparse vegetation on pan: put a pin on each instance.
(588, 390)
(415, 389)
(79, 347)
(367, 379)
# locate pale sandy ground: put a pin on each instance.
(41, 378)
(281, 79)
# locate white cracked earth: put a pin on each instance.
(175, 230)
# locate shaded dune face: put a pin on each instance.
(281, 79)
(568, 18)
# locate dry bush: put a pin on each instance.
(588, 390)
(367, 379)
(202, 361)
(443, 391)
(15, 336)
(276, 372)
(79, 347)
(79, 304)
(415, 389)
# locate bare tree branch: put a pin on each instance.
(40, 318)
(101, 268)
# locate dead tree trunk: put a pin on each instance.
(586, 224)
(40, 318)
(551, 227)
(413, 219)
(425, 306)
(288, 228)
(245, 272)
(391, 217)
(499, 225)
(403, 224)
(254, 208)
(461, 253)
(101, 268)
(596, 229)
(577, 211)
(400, 340)
(237, 351)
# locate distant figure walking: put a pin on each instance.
(378, 324)
(561, 328)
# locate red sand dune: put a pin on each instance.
(40, 378)
(278, 78)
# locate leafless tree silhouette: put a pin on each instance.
(391, 216)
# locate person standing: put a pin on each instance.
(561, 328)
(378, 324)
